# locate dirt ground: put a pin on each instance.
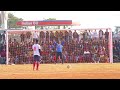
(59, 71)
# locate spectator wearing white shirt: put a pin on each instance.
(90, 34)
(95, 35)
(35, 36)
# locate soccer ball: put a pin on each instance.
(68, 66)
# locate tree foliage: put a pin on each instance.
(51, 19)
(12, 21)
(41, 27)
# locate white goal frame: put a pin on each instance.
(110, 39)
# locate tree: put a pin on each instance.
(55, 19)
(54, 27)
(41, 27)
(12, 20)
(51, 19)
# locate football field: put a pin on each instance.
(60, 71)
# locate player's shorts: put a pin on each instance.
(59, 54)
(36, 58)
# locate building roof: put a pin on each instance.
(47, 23)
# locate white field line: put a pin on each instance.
(37, 72)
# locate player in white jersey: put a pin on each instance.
(36, 52)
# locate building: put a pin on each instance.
(48, 24)
(117, 29)
(4, 17)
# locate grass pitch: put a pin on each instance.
(60, 71)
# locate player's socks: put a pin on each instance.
(34, 65)
(37, 66)
(62, 61)
(56, 61)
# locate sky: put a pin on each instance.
(87, 19)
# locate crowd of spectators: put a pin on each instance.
(2, 48)
(116, 50)
(88, 46)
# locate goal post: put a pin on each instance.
(7, 50)
(15, 34)
(111, 45)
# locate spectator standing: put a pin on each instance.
(95, 35)
(42, 36)
(35, 36)
(66, 36)
(85, 35)
(70, 35)
(22, 36)
(47, 36)
(28, 36)
(75, 35)
(101, 33)
(52, 36)
(106, 34)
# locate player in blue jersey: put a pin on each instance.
(59, 48)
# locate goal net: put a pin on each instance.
(79, 45)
